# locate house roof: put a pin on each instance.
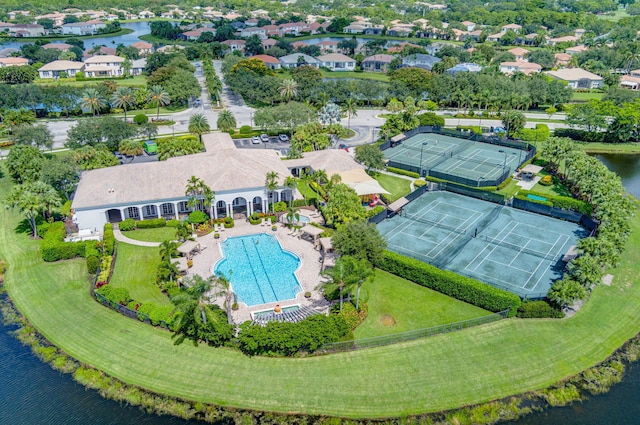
(563, 56)
(222, 167)
(335, 57)
(379, 58)
(59, 46)
(61, 65)
(269, 42)
(293, 58)
(266, 59)
(142, 45)
(522, 65)
(103, 59)
(565, 39)
(234, 42)
(14, 61)
(297, 44)
(518, 51)
(139, 63)
(573, 74)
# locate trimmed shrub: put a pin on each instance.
(403, 172)
(115, 295)
(173, 223)
(374, 211)
(52, 247)
(140, 119)
(246, 129)
(160, 314)
(280, 206)
(546, 180)
(449, 283)
(197, 217)
(127, 225)
(419, 183)
(563, 202)
(92, 256)
(228, 223)
(538, 310)
(541, 132)
(108, 239)
(255, 219)
(151, 224)
(352, 317)
(430, 118)
(144, 310)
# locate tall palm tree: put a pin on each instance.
(123, 98)
(193, 314)
(168, 250)
(341, 276)
(91, 100)
(198, 191)
(293, 216)
(199, 125)
(288, 89)
(222, 287)
(351, 109)
(291, 183)
(158, 97)
(271, 184)
(226, 121)
(320, 176)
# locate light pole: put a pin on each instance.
(422, 150)
(504, 164)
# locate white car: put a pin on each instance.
(255, 140)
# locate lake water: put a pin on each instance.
(32, 393)
(139, 28)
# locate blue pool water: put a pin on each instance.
(536, 197)
(259, 269)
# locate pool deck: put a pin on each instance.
(308, 273)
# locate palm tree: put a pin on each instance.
(291, 183)
(123, 98)
(198, 191)
(199, 125)
(341, 276)
(222, 287)
(271, 184)
(293, 216)
(193, 314)
(168, 250)
(305, 179)
(33, 199)
(226, 121)
(320, 176)
(158, 97)
(288, 89)
(91, 100)
(351, 109)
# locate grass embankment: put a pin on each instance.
(583, 97)
(624, 148)
(159, 234)
(135, 270)
(376, 76)
(396, 186)
(397, 305)
(442, 372)
(136, 81)
(63, 37)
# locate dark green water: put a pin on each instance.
(31, 393)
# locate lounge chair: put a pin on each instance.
(222, 228)
(264, 222)
(295, 232)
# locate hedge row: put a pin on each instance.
(454, 285)
(403, 172)
(108, 239)
(151, 224)
(53, 247)
(558, 201)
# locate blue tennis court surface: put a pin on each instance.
(508, 248)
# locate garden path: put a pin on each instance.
(122, 238)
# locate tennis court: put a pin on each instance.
(455, 159)
(504, 247)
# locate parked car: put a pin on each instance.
(283, 138)
(264, 137)
(255, 140)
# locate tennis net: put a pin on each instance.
(417, 149)
(491, 161)
(434, 223)
(544, 255)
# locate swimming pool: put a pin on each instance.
(301, 219)
(259, 269)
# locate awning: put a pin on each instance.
(397, 205)
(312, 231)
(326, 243)
(400, 137)
(367, 188)
(188, 247)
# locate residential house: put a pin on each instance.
(399, 31)
(299, 44)
(271, 30)
(269, 61)
(63, 47)
(5, 26)
(233, 45)
(57, 18)
(269, 42)
(83, 28)
(8, 51)
(237, 25)
(173, 14)
(138, 66)
(373, 30)
(354, 28)
(527, 68)
(434, 48)
(103, 66)
(170, 48)
(12, 15)
(420, 60)
(530, 39)
(474, 35)
(464, 67)
(377, 63)
(251, 31)
(253, 22)
(519, 53)
(398, 48)
(13, 61)
(102, 50)
(293, 28)
(579, 32)
(27, 30)
(631, 81)
(576, 49)
(470, 26)
(143, 48)
(328, 46)
(458, 35)
(298, 59)
(146, 14)
(577, 78)
(562, 59)
(337, 62)
(565, 39)
(495, 38)
(55, 68)
(513, 27)
(195, 34)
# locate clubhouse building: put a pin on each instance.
(157, 189)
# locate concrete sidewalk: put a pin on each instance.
(122, 238)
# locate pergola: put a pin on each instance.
(188, 248)
(311, 231)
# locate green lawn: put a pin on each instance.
(615, 16)
(610, 147)
(159, 234)
(376, 76)
(397, 305)
(583, 97)
(135, 270)
(556, 189)
(445, 371)
(306, 191)
(136, 81)
(396, 186)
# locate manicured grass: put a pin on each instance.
(397, 305)
(135, 270)
(446, 371)
(376, 76)
(583, 97)
(556, 189)
(136, 81)
(159, 234)
(610, 147)
(306, 191)
(396, 186)
(615, 16)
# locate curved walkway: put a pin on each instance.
(122, 238)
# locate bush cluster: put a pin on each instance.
(430, 118)
(454, 285)
(288, 339)
(92, 256)
(403, 172)
(546, 180)
(352, 317)
(53, 247)
(108, 240)
(564, 202)
(197, 217)
(151, 224)
(173, 223)
(127, 225)
(538, 310)
(541, 132)
(115, 295)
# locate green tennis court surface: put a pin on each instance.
(508, 248)
(450, 157)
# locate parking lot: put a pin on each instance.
(273, 143)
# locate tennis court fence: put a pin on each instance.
(410, 335)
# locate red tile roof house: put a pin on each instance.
(234, 45)
(269, 42)
(143, 48)
(13, 61)
(195, 34)
(269, 61)
(63, 47)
